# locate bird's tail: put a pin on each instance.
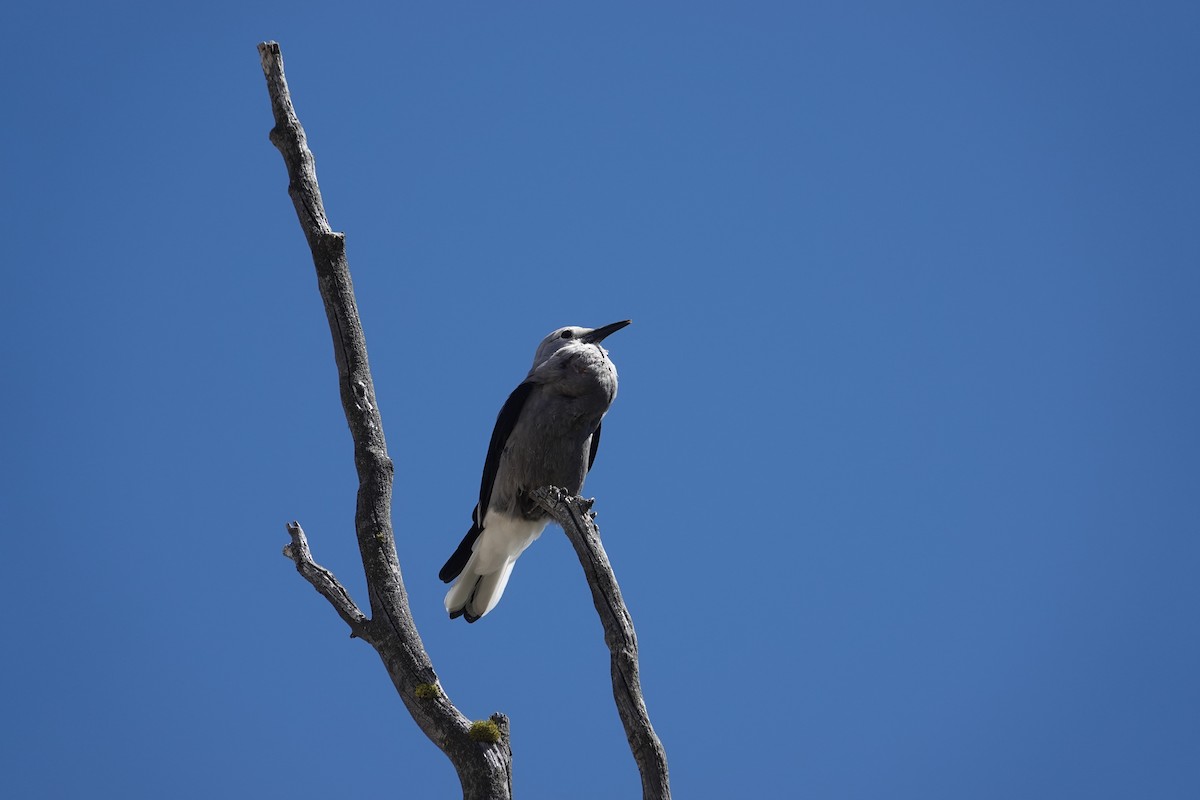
(483, 574)
(474, 595)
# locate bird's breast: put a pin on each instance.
(589, 375)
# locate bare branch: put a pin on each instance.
(484, 767)
(324, 581)
(575, 516)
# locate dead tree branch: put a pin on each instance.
(575, 516)
(324, 581)
(481, 754)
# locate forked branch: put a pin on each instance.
(480, 752)
(484, 761)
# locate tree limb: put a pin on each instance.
(324, 581)
(575, 516)
(483, 762)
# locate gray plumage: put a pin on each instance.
(546, 434)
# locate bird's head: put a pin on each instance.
(573, 336)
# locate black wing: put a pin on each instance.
(595, 447)
(454, 565)
(506, 420)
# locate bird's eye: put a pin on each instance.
(567, 334)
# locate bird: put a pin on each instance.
(546, 434)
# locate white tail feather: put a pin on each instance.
(460, 592)
(484, 577)
(489, 590)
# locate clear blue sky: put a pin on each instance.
(900, 486)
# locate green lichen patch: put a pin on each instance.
(485, 731)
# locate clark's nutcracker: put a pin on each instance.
(546, 435)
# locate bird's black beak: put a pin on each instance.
(599, 334)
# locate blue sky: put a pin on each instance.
(900, 486)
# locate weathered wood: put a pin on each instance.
(484, 768)
(324, 582)
(575, 516)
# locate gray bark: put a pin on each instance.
(575, 516)
(484, 767)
